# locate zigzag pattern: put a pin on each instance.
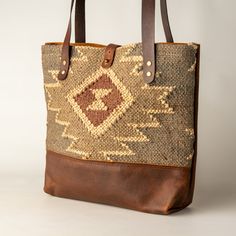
(155, 128)
(162, 99)
(139, 136)
(54, 74)
(80, 56)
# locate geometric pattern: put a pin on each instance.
(81, 57)
(99, 95)
(113, 99)
(112, 115)
(128, 57)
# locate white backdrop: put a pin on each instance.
(24, 26)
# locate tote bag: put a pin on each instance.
(122, 120)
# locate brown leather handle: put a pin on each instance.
(80, 29)
(65, 53)
(148, 36)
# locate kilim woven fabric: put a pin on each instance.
(124, 119)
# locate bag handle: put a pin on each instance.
(148, 36)
(80, 29)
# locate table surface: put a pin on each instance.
(26, 210)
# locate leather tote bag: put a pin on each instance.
(122, 120)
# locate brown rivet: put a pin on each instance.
(106, 61)
(64, 62)
(149, 63)
(148, 73)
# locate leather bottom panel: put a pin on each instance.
(147, 188)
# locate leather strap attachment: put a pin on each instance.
(148, 36)
(109, 55)
(65, 53)
(148, 32)
(148, 40)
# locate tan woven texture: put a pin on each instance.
(112, 115)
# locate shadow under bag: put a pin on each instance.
(122, 120)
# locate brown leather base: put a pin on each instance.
(147, 188)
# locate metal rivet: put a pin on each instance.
(148, 73)
(63, 72)
(149, 63)
(64, 62)
(106, 61)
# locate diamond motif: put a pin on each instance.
(100, 100)
(98, 104)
